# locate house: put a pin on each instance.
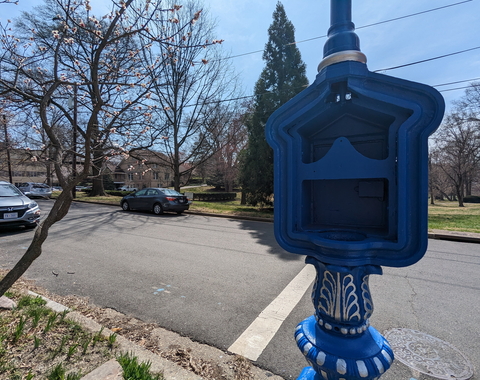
(25, 166)
(146, 169)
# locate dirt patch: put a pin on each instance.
(34, 340)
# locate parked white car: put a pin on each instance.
(128, 188)
(34, 190)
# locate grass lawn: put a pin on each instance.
(107, 199)
(232, 208)
(443, 215)
(446, 215)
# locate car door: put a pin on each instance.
(150, 198)
(137, 200)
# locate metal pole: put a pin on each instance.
(342, 44)
(341, 13)
(7, 146)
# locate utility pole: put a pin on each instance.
(72, 104)
(7, 146)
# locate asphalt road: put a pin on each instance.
(209, 279)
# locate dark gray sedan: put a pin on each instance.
(156, 200)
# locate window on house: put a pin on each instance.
(130, 176)
(155, 175)
(167, 176)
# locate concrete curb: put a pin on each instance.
(467, 237)
(110, 370)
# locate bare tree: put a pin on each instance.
(222, 168)
(439, 183)
(44, 62)
(469, 105)
(458, 151)
(189, 91)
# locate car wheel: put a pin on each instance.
(125, 206)
(157, 209)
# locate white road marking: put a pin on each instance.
(257, 336)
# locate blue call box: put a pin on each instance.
(350, 167)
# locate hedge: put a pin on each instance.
(214, 197)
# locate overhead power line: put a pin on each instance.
(459, 81)
(361, 27)
(427, 60)
(454, 89)
(266, 93)
(388, 68)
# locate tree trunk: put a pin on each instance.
(59, 210)
(98, 154)
(176, 177)
(97, 186)
(430, 182)
(97, 181)
(49, 173)
(459, 190)
(468, 186)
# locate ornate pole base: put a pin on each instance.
(338, 341)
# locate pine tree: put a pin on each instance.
(283, 77)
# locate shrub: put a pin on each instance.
(195, 181)
(471, 199)
(118, 193)
(132, 370)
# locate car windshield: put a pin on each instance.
(9, 191)
(40, 186)
(171, 192)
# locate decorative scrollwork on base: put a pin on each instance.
(330, 357)
(338, 341)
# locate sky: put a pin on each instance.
(243, 25)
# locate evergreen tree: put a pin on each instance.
(283, 77)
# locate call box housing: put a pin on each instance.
(350, 167)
